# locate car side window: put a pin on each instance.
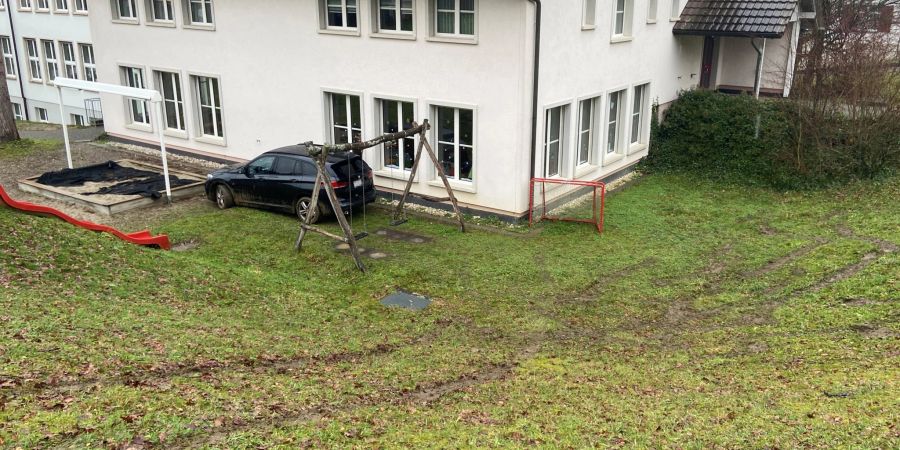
(306, 169)
(284, 166)
(262, 166)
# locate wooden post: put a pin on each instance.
(440, 169)
(398, 212)
(314, 203)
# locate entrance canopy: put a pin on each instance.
(124, 91)
(746, 18)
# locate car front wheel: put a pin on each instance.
(224, 199)
(302, 208)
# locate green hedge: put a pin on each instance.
(714, 135)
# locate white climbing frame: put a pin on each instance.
(144, 94)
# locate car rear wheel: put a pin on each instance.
(302, 208)
(224, 199)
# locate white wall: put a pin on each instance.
(51, 25)
(274, 64)
(737, 61)
(577, 63)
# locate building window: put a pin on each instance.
(41, 114)
(17, 111)
(454, 18)
(651, 11)
(2, 5)
(25, 5)
(209, 102)
(34, 60)
(345, 118)
(124, 10)
(676, 10)
(200, 12)
(638, 113)
(622, 14)
(455, 140)
(81, 6)
(397, 116)
(76, 119)
(69, 60)
(339, 14)
(51, 60)
(61, 6)
(586, 112)
(43, 5)
(9, 59)
(87, 61)
(395, 16)
(614, 121)
(589, 15)
(137, 108)
(161, 11)
(553, 141)
(169, 84)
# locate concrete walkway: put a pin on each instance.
(81, 134)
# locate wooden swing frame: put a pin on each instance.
(319, 154)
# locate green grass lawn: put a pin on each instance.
(706, 315)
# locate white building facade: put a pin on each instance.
(42, 40)
(241, 78)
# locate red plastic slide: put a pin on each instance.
(139, 238)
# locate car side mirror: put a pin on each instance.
(248, 171)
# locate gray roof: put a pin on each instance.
(752, 18)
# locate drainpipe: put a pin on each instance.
(15, 49)
(534, 79)
(760, 54)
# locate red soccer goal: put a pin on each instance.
(597, 200)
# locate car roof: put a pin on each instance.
(300, 150)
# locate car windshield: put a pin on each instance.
(346, 170)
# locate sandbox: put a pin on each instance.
(96, 187)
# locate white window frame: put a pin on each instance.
(176, 100)
(89, 67)
(51, 59)
(642, 114)
(25, 5)
(345, 13)
(42, 6)
(561, 140)
(168, 7)
(401, 172)
(9, 57)
(80, 7)
(652, 10)
(76, 119)
(457, 145)
(61, 6)
(70, 66)
(218, 123)
(41, 114)
(134, 76)
(456, 36)
(675, 11)
(627, 14)
(589, 15)
(207, 8)
(618, 120)
(330, 98)
(397, 32)
(33, 49)
(117, 11)
(17, 111)
(592, 134)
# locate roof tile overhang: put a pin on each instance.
(746, 18)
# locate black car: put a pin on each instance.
(283, 179)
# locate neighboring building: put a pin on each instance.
(43, 39)
(240, 78)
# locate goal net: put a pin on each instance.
(554, 199)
